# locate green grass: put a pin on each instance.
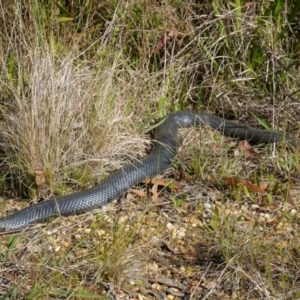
(82, 85)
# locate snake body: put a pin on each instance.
(164, 149)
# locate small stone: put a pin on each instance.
(227, 212)
(122, 219)
(156, 286)
(267, 217)
(193, 221)
(207, 206)
(170, 226)
(141, 297)
(244, 208)
(181, 232)
(254, 206)
(78, 237)
(101, 232)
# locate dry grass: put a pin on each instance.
(82, 83)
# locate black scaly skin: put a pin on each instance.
(164, 150)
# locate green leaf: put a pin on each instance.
(35, 291)
(81, 294)
(278, 8)
(262, 122)
(155, 125)
(61, 19)
(86, 295)
(288, 217)
(12, 241)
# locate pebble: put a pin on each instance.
(101, 232)
(181, 232)
(156, 286)
(255, 206)
(141, 297)
(78, 237)
(170, 226)
(122, 219)
(207, 206)
(227, 211)
(153, 266)
(267, 217)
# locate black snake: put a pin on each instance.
(164, 149)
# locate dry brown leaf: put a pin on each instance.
(140, 193)
(285, 244)
(268, 208)
(40, 177)
(246, 148)
(156, 182)
(193, 220)
(164, 182)
(163, 41)
(292, 195)
(275, 221)
(249, 219)
(183, 249)
(155, 193)
(252, 188)
(182, 176)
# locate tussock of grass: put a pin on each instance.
(82, 81)
(64, 119)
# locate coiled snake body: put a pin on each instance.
(164, 150)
